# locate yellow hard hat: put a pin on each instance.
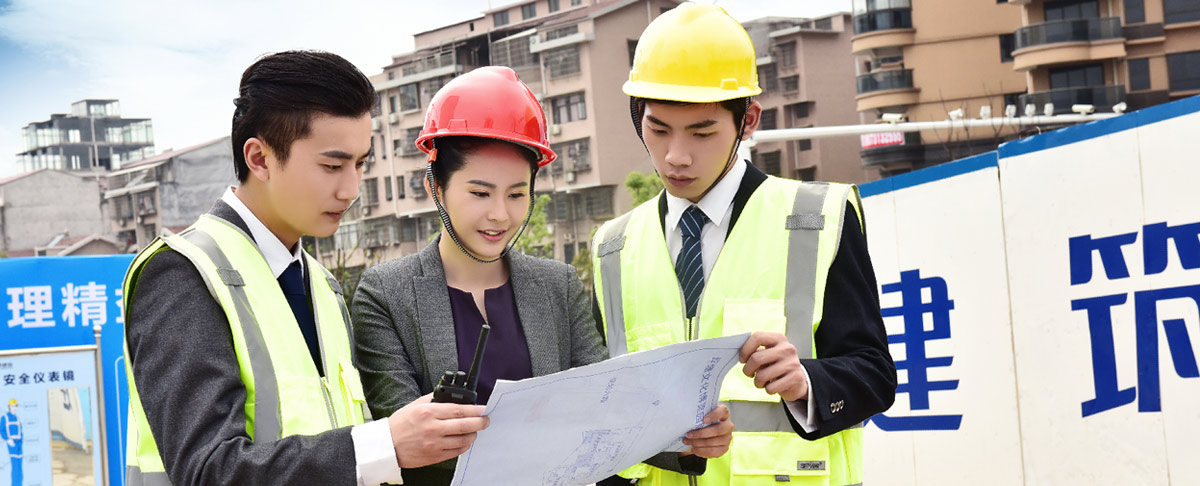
(694, 54)
(12, 402)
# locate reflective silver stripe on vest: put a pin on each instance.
(268, 425)
(610, 277)
(800, 288)
(337, 288)
(759, 416)
(135, 477)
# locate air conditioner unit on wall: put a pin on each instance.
(366, 210)
(555, 129)
(570, 177)
(393, 118)
(375, 124)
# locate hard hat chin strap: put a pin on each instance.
(445, 217)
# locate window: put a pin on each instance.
(804, 145)
(408, 98)
(1077, 76)
(391, 75)
(399, 187)
(430, 87)
(1007, 44)
(528, 11)
(513, 52)
(393, 104)
(553, 5)
(576, 152)
(1072, 9)
(768, 77)
(370, 191)
(1183, 69)
(1176, 11)
(823, 24)
(408, 229)
(768, 120)
(576, 3)
(500, 18)
(799, 110)
(568, 108)
(787, 55)
(598, 202)
(632, 44)
(791, 83)
(1139, 74)
(1135, 11)
(1013, 99)
(770, 162)
(416, 184)
(563, 61)
(807, 174)
(563, 32)
(387, 188)
(410, 141)
(396, 150)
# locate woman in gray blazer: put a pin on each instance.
(420, 316)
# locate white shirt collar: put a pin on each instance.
(715, 204)
(278, 256)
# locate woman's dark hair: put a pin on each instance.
(452, 153)
(281, 93)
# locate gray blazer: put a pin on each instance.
(404, 328)
(187, 376)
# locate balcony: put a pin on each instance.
(882, 28)
(1102, 97)
(889, 88)
(1068, 41)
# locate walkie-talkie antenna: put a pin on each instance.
(473, 374)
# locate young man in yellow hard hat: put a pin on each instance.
(727, 249)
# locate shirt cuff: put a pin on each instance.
(374, 454)
(805, 411)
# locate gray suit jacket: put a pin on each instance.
(181, 350)
(404, 328)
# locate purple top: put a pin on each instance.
(507, 353)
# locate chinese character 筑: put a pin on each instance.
(88, 302)
(30, 307)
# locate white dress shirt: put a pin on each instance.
(375, 457)
(717, 205)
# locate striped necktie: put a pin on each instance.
(689, 265)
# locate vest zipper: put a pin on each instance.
(321, 347)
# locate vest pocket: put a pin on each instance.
(749, 315)
(303, 405)
(352, 392)
(772, 458)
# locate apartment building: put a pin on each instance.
(166, 192)
(1105, 52)
(574, 55)
(928, 58)
(51, 212)
(805, 69)
(93, 137)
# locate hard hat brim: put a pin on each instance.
(686, 94)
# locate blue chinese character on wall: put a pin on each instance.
(1099, 312)
(913, 310)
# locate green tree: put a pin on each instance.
(532, 241)
(643, 187)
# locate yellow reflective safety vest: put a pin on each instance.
(284, 393)
(750, 288)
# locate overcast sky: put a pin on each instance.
(179, 62)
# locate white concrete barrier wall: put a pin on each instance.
(1042, 304)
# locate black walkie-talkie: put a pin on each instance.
(458, 387)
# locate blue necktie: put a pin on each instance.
(689, 265)
(291, 281)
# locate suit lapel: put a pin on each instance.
(436, 320)
(533, 308)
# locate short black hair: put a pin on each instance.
(452, 153)
(737, 106)
(281, 93)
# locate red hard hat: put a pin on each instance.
(488, 102)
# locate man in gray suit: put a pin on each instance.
(301, 133)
